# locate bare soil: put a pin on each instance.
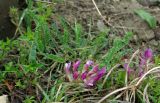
(120, 18)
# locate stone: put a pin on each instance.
(146, 35)
(153, 43)
(4, 99)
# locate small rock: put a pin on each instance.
(157, 33)
(135, 38)
(4, 99)
(146, 35)
(153, 43)
(101, 26)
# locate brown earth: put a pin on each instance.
(119, 17)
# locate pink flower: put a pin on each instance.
(67, 70)
(148, 54)
(127, 68)
(94, 70)
(94, 78)
(89, 77)
(76, 65)
(140, 73)
(84, 75)
(88, 64)
(75, 75)
(67, 67)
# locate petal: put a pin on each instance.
(101, 73)
(84, 75)
(76, 65)
(75, 75)
(127, 68)
(88, 64)
(94, 70)
(142, 62)
(148, 54)
(140, 74)
(67, 70)
(90, 82)
(94, 78)
(67, 67)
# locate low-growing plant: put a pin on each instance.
(38, 65)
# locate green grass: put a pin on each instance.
(33, 62)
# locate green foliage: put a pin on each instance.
(157, 60)
(110, 58)
(30, 99)
(147, 17)
(36, 58)
(55, 58)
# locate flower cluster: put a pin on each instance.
(144, 59)
(89, 77)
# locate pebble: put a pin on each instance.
(153, 43)
(4, 99)
(146, 36)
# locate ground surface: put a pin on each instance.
(119, 14)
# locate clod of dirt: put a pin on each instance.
(153, 43)
(4, 99)
(145, 35)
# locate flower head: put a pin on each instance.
(141, 72)
(67, 67)
(127, 68)
(148, 54)
(75, 75)
(76, 65)
(95, 77)
(88, 64)
(94, 70)
(84, 75)
(89, 77)
(67, 70)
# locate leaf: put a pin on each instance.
(55, 58)
(78, 31)
(32, 53)
(118, 44)
(147, 17)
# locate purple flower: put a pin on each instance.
(76, 65)
(95, 77)
(140, 73)
(94, 70)
(67, 70)
(101, 73)
(127, 68)
(89, 77)
(75, 75)
(84, 75)
(67, 67)
(88, 64)
(148, 54)
(90, 82)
